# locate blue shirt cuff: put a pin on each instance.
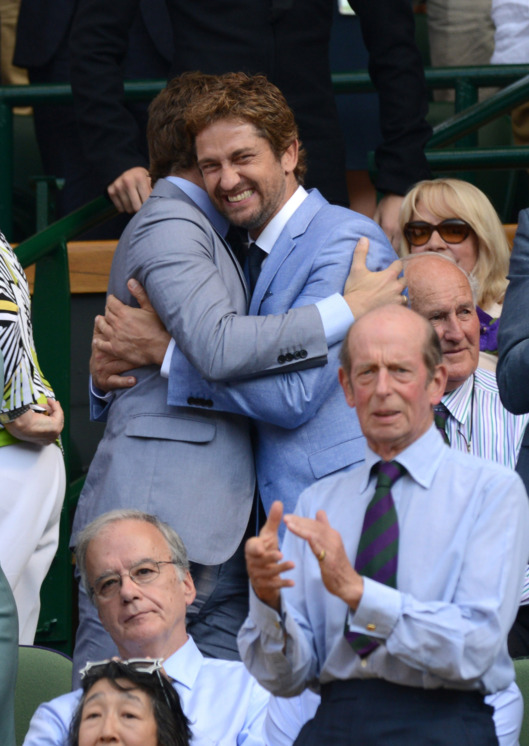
(378, 611)
(336, 317)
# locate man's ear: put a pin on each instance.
(437, 384)
(289, 159)
(190, 591)
(345, 383)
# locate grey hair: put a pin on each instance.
(471, 279)
(174, 542)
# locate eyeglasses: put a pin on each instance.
(141, 665)
(453, 230)
(143, 573)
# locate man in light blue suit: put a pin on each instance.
(253, 164)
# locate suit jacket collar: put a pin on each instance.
(295, 227)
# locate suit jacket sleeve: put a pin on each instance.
(291, 399)
(98, 45)
(190, 295)
(396, 68)
(513, 337)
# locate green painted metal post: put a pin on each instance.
(6, 169)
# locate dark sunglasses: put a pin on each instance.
(453, 230)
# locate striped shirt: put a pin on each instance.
(479, 423)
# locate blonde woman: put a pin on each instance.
(454, 217)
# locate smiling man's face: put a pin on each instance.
(244, 178)
(143, 620)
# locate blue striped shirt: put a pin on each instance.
(480, 424)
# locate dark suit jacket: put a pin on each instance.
(513, 338)
(291, 48)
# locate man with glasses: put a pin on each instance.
(135, 571)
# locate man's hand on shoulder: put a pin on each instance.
(130, 190)
(337, 573)
(264, 561)
(365, 290)
(387, 216)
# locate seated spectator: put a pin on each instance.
(453, 216)
(129, 701)
(135, 570)
(32, 471)
(404, 626)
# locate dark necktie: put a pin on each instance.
(256, 257)
(237, 239)
(377, 554)
(440, 416)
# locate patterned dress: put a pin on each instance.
(24, 383)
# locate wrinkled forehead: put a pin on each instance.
(391, 333)
(433, 280)
(124, 544)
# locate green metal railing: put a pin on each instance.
(51, 301)
(470, 115)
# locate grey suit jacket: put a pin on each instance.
(193, 468)
(513, 338)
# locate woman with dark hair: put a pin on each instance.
(131, 702)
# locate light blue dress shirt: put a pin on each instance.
(224, 704)
(462, 551)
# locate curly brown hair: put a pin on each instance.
(253, 99)
(170, 145)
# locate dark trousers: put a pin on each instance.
(372, 712)
(518, 640)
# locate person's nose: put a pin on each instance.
(435, 243)
(128, 589)
(453, 331)
(109, 731)
(382, 384)
(229, 178)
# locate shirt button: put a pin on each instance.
(371, 627)
(363, 662)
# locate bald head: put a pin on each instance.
(441, 292)
(392, 375)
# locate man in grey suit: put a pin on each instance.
(193, 468)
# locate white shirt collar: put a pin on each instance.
(271, 233)
(184, 665)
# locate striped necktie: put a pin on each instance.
(378, 547)
(440, 417)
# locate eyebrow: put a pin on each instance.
(126, 692)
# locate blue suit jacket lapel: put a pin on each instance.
(285, 244)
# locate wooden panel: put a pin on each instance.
(89, 266)
(510, 230)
